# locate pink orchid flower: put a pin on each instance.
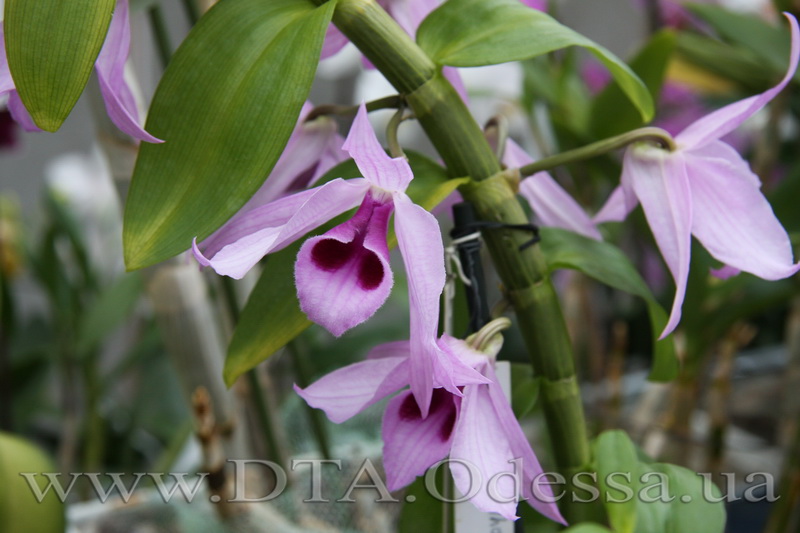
(705, 189)
(343, 276)
(551, 204)
(110, 68)
(477, 428)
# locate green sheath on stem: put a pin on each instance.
(461, 144)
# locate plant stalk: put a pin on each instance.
(461, 144)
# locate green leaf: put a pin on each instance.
(770, 43)
(606, 263)
(272, 315)
(588, 527)
(658, 497)
(616, 457)
(226, 107)
(524, 389)
(472, 33)
(108, 311)
(52, 46)
(611, 112)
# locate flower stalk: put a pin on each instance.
(462, 146)
(649, 134)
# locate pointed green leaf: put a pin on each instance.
(611, 112)
(472, 33)
(272, 315)
(52, 46)
(108, 311)
(617, 466)
(225, 109)
(607, 264)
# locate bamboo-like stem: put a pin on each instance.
(161, 34)
(462, 146)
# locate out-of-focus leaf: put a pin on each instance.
(612, 113)
(110, 309)
(524, 389)
(272, 315)
(51, 47)
(615, 455)
(606, 263)
(225, 109)
(770, 43)
(472, 33)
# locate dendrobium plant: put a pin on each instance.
(110, 67)
(477, 428)
(703, 187)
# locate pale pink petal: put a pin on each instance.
(724, 272)
(540, 497)
(377, 167)
(732, 219)
(412, 442)
(616, 208)
(540, 5)
(464, 361)
(420, 242)
(549, 201)
(300, 161)
(722, 121)
(110, 65)
(480, 440)
(660, 182)
(390, 349)
(19, 113)
(6, 81)
(245, 239)
(409, 14)
(349, 390)
(452, 75)
(344, 276)
(334, 41)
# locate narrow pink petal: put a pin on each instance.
(19, 113)
(452, 75)
(722, 121)
(551, 203)
(349, 390)
(110, 65)
(344, 276)
(409, 14)
(616, 209)
(732, 219)
(521, 448)
(377, 167)
(390, 349)
(335, 40)
(464, 361)
(540, 5)
(245, 239)
(420, 242)
(480, 440)
(6, 81)
(300, 160)
(660, 182)
(412, 442)
(724, 272)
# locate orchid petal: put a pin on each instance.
(19, 113)
(724, 120)
(300, 161)
(542, 498)
(480, 441)
(724, 272)
(377, 167)
(732, 219)
(349, 390)
(413, 442)
(110, 65)
(245, 239)
(551, 203)
(660, 181)
(465, 361)
(409, 14)
(344, 276)
(334, 41)
(420, 242)
(6, 81)
(616, 208)
(390, 349)
(452, 75)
